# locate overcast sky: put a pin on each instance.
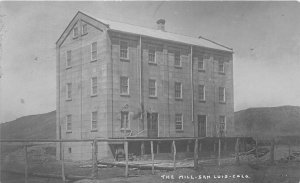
(265, 37)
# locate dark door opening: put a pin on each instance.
(201, 125)
(152, 123)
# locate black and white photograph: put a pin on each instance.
(150, 91)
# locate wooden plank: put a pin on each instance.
(174, 154)
(126, 157)
(26, 163)
(196, 154)
(152, 157)
(142, 148)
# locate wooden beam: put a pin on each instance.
(219, 152)
(26, 163)
(62, 163)
(152, 157)
(94, 158)
(174, 154)
(142, 148)
(126, 157)
(237, 151)
(157, 147)
(196, 154)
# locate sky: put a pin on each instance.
(265, 37)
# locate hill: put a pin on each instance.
(268, 121)
(40, 126)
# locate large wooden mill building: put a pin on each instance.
(116, 79)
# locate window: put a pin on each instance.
(69, 58)
(177, 61)
(94, 120)
(94, 86)
(124, 120)
(123, 49)
(152, 88)
(94, 51)
(178, 90)
(201, 125)
(222, 94)
(69, 91)
(222, 125)
(178, 122)
(151, 55)
(124, 85)
(201, 92)
(69, 122)
(201, 64)
(84, 28)
(221, 67)
(75, 32)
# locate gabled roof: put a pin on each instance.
(159, 34)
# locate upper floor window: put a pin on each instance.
(201, 63)
(124, 49)
(69, 122)
(152, 88)
(69, 91)
(178, 122)
(94, 120)
(94, 86)
(221, 66)
(201, 92)
(94, 51)
(84, 28)
(177, 60)
(124, 119)
(222, 125)
(69, 59)
(151, 55)
(124, 85)
(178, 90)
(222, 97)
(75, 32)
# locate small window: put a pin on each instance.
(152, 88)
(222, 94)
(69, 91)
(69, 59)
(124, 120)
(221, 66)
(84, 28)
(75, 32)
(178, 122)
(94, 120)
(94, 86)
(123, 49)
(94, 51)
(222, 125)
(124, 85)
(201, 92)
(69, 122)
(177, 61)
(151, 55)
(178, 90)
(201, 63)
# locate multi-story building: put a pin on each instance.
(116, 79)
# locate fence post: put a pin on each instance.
(62, 163)
(219, 152)
(126, 157)
(174, 153)
(237, 151)
(26, 163)
(94, 158)
(196, 154)
(152, 156)
(272, 150)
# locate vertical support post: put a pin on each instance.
(157, 147)
(237, 151)
(272, 150)
(188, 146)
(289, 151)
(215, 148)
(256, 149)
(62, 163)
(26, 163)
(225, 145)
(152, 156)
(174, 154)
(219, 152)
(200, 146)
(126, 157)
(196, 154)
(143, 148)
(94, 157)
